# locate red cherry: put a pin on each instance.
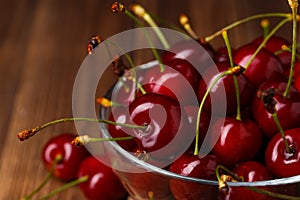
(71, 156)
(102, 182)
(239, 141)
(265, 65)
(287, 108)
(165, 121)
(193, 166)
(274, 44)
(279, 161)
(251, 171)
(245, 90)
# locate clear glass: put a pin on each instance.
(157, 181)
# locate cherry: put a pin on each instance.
(275, 44)
(279, 161)
(245, 89)
(265, 65)
(69, 156)
(250, 171)
(193, 166)
(102, 182)
(287, 108)
(238, 141)
(165, 123)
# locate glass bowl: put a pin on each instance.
(143, 180)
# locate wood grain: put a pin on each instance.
(42, 45)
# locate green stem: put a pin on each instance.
(57, 159)
(154, 51)
(65, 187)
(221, 75)
(278, 125)
(273, 194)
(294, 47)
(239, 22)
(274, 30)
(23, 135)
(235, 81)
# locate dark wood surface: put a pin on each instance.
(42, 45)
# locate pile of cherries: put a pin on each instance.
(257, 139)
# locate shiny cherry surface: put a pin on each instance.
(287, 108)
(265, 65)
(239, 141)
(193, 166)
(102, 182)
(279, 161)
(71, 156)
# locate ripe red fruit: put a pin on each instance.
(279, 161)
(265, 65)
(71, 156)
(251, 171)
(287, 108)
(165, 123)
(102, 182)
(239, 141)
(193, 166)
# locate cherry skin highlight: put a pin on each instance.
(71, 156)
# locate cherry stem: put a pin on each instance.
(265, 24)
(294, 6)
(141, 12)
(120, 8)
(236, 86)
(130, 61)
(247, 19)
(272, 32)
(184, 21)
(57, 159)
(277, 122)
(25, 134)
(214, 82)
(273, 194)
(65, 187)
(84, 139)
(288, 49)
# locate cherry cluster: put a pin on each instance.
(153, 115)
(74, 165)
(256, 140)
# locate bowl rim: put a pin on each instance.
(154, 169)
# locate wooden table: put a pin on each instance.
(42, 45)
